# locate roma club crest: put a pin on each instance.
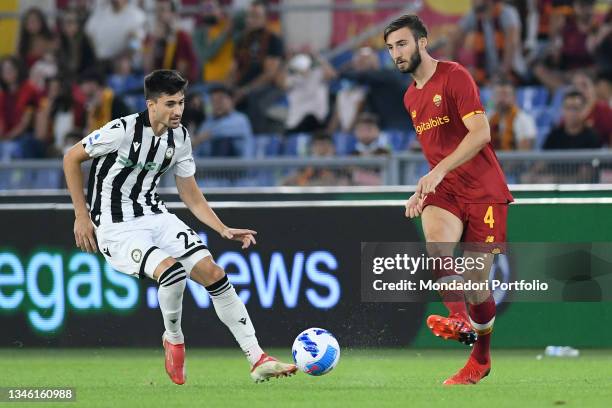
(437, 100)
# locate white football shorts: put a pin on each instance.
(138, 246)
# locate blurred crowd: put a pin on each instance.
(544, 68)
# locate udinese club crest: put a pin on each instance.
(136, 255)
(169, 152)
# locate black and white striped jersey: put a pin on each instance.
(128, 162)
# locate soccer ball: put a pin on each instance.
(316, 351)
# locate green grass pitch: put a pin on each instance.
(364, 378)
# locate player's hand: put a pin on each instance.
(84, 234)
(246, 236)
(428, 183)
(414, 206)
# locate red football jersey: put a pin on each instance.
(437, 112)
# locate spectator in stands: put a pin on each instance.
(124, 79)
(568, 50)
(603, 87)
(101, 103)
(61, 114)
(498, 47)
(113, 27)
(351, 98)
(214, 42)
(306, 83)
(168, 47)
(597, 114)
(600, 44)
(75, 53)
(573, 133)
(511, 127)
(370, 140)
(258, 59)
(321, 146)
(35, 36)
(385, 89)
(228, 132)
(536, 19)
(19, 100)
(194, 114)
(43, 69)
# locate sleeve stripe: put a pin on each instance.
(471, 114)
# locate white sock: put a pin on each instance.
(170, 296)
(233, 313)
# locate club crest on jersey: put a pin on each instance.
(437, 100)
(136, 255)
(413, 113)
(169, 152)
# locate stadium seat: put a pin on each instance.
(46, 178)
(268, 145)
(297, 144)
(544, 117)
(556, 105)
(344, 143)
(399, 139)
(543, 132)
(486, 96)
(530, 97)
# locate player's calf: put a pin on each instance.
(172, 278)
(231, 311)
(172, 283)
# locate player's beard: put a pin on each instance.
(413, 64)
(174, 124)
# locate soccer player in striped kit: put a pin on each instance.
(464, 197)
(137, 234)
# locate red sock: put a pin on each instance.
(455, 303)
(483, 316)
(454, 300)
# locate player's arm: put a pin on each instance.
(196, 202)
(478, 136)
(83, 228)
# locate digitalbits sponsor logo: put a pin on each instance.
(432, 123)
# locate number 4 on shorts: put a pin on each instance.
(488, 218)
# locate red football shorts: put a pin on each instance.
(484, 225)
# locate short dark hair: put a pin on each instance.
(261, 3)
(504, 81)
(20, 67)
(604, 75)
(221, 88)
(574, 93)
(173, 5)
(411, 21)
(367, 118)
(321, 135)
(93, 74)
(163, 81)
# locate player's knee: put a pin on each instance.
(208, 270)
(438, 248)
(172, 273)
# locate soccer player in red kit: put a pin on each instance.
(464, 197)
